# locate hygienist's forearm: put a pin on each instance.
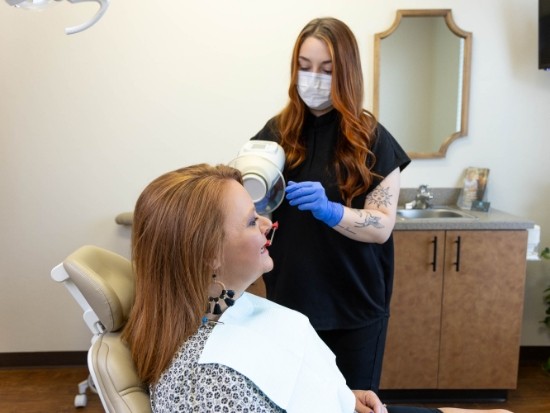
(374, 223)
(366, 225)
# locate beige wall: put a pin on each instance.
(86, 121)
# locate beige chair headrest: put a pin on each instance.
(106, 281)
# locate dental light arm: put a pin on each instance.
(40, 4)
(103, 4)
(29, 4)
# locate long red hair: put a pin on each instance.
(177, 233)
(353, 159)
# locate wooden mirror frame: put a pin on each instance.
(467, 36)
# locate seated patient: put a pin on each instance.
(199, 341)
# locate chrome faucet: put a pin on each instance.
(422, 200)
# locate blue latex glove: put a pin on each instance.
(310, 196)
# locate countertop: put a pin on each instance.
(492, 220)
(447, 197)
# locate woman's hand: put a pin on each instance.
(310, 196)
(373, 223)
(366, 401)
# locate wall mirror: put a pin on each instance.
(422, 81)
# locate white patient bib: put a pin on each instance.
(278, 349)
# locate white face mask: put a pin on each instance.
(314, 89)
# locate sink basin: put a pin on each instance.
(433, 213)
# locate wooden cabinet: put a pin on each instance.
(456, 310)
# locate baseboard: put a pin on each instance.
(534, 353)
(78, 358)
(443, 396)
(43, 359)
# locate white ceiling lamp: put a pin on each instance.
(42, 4)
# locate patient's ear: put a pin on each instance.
(217, 260)
(215, 264)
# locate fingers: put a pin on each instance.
(296, 189)
(360, 408)
(373, 401)
(307, 202)
(310, 196)
(304, 194)
(361, 403)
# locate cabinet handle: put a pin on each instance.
(434, 262)
(457, 263)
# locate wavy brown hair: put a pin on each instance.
(177, 233)
(353, 159)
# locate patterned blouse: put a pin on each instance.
(187, 386)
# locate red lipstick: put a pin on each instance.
(271, 234)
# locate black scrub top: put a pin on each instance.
(339, 283)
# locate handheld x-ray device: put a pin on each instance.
(261, 164)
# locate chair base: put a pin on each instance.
(81, 399)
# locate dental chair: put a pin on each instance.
(102, 283)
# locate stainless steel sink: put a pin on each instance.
(433, 213)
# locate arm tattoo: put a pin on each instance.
(379, 197)
(364, 220)
(368, 221)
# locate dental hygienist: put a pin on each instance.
(334, 252)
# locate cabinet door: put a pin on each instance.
(412, 346)
(482, 309)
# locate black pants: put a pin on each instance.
(359, 353)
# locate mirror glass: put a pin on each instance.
(422, 81)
